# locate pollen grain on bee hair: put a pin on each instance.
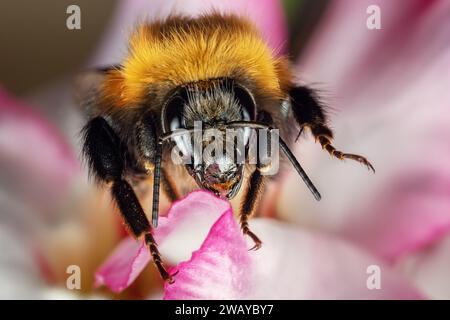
(230, 145)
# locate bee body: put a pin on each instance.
(215, 70)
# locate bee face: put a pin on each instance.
(215, 153)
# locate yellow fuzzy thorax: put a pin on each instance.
(182, 50)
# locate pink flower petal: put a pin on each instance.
(37, 163)
(123, 266)
(37, 172)
(295, 263)
(292, 264)
(185, 227)
(218, 270)
(428, 269)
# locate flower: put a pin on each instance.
(293, 263)
(390, 91)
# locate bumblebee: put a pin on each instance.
(215, 69)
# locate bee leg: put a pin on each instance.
(137, 222)
(309, 113)
(103, 150)
(255, 189)
(248, 206)
(156, 256)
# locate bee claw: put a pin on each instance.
(363, 161)
(326, 145)
(258, 243)
(370, 167)
(257, 246)
(170, 280)
(169, 277)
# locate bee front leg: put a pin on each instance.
(248, 206)
(104, 153)
(255, 188)
(309, 113)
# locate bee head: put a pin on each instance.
(213, 153)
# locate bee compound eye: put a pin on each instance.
(246, 102)
(173, 113)
(173, 118)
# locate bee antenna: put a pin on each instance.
(156, 182)
(299, 169)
